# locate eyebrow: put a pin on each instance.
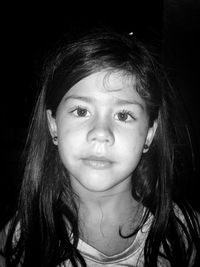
(92, 100)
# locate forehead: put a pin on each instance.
(107, 83)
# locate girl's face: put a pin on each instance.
(102, 126)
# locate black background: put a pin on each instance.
(29, 31)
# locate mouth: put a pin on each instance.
(98, 163)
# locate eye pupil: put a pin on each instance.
(81, 112)
(122, 116)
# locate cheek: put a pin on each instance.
(131, 147)
(135, 138)
(69, 140)
(68, 132)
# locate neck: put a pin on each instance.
(114, 205)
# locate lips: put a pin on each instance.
(97, 158)
(97, 162)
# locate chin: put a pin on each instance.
(98, 186)
(98, 181)
(95, 184)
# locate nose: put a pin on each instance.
(101, 132)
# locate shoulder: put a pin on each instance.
(187, 222)
(187, 215)
(189, 227)
(5, 232)
(2, 261)
(3, 238)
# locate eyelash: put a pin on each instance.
(124, 111)
(127, 112)
(78, 108)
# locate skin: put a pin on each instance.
(93, 121)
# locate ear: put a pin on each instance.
(150, 136)
(52, 126)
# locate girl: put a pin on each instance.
(97, 186)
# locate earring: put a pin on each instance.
(55, 140)
(146, 146)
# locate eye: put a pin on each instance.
(125, 116)
(80, 112)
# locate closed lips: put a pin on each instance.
(99, 163)
(95, 158)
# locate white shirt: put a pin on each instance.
(132, 256)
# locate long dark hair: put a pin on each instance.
(47, 212)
